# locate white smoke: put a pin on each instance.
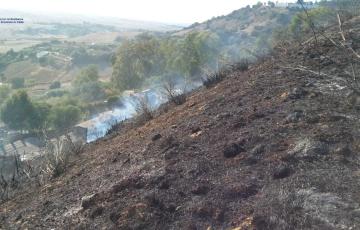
(101, 123)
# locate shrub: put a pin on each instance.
(214, 78)
(57, 154)
(242, 65)
(175, 96)
(114, 127)
(143, 109)
(113, 101)
(86, 75)
(89, 92)
(56, 93)
(4, 93)
(63, 117)
(55, 85)
(17, 83)
(16, 110)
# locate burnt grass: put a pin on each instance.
(266, 148)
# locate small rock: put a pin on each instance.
(153, 200)
(114, 160)
(267, 97)
(219, 215)
(233, 150)
(200, 190)
(120, 186)
(343, 151)
(170, 154)
(335, 117)
(257, 115)
(312, 55)
(314, 94)
(164, 185)
(241, 122)
(312, 119)
(258, 150)
(255, 155)
(114, 217)
(241, 191)
(294, 117)
(309, 83)
(192, 104)
(18, 217)
(88, 201)
(297, 93)
(203, 211)
(282, 172)
(97, 212)
(309, 149)
(156, 137)
(171, 208)
(195, 130)
(222, 116)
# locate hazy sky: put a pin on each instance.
(169, 11)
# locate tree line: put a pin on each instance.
(148, 56)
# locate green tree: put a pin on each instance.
(4, 93)
(89, 92)
(38, 119)
(137, 60)
(17, 82)
(89, 74)
(64, 117)
(16, 111)
(301, 23)
(195, 51)
(55, 85)
(271, 4)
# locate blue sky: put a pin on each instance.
(168, 11)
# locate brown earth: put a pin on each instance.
(275, 147)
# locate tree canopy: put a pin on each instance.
(147, 56)
(63, 117)
(17, 111)
(88, 74)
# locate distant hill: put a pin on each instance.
(60, 26)
(118, 23)
(245, 29)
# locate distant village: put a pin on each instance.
(306, 5)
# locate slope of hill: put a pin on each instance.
(275, 147)
(245, 29)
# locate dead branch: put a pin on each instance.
(304, 69)
(341, 27)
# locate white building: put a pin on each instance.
(307, 5)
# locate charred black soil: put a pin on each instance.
(274, 147)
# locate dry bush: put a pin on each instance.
(57, 153)
(22, 173)
(328, 47)
(242, 65)
(143, 109)
(348, 8)
(4, 188)
(34, 172)
(298, 202)
(115, 127)
(175, 96)
(214, 78)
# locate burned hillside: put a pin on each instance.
(272, 147)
